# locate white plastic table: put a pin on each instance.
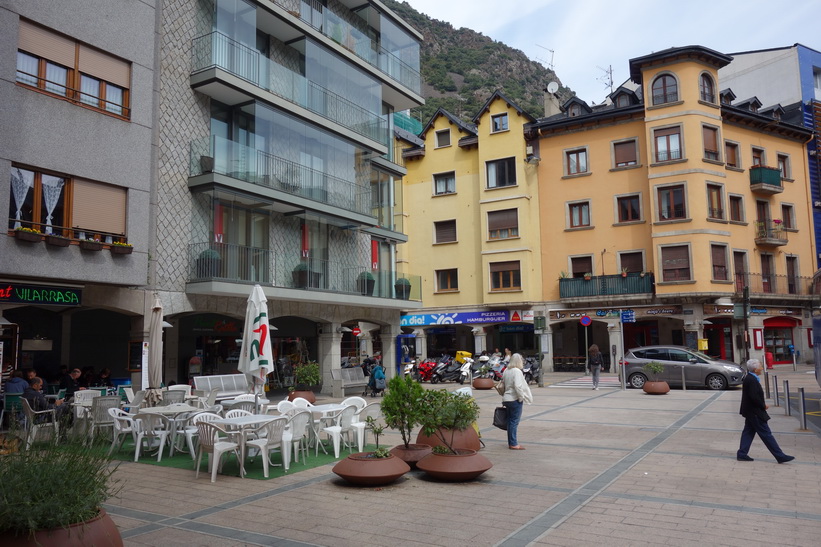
(243, 424)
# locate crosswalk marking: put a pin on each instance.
(586, 382)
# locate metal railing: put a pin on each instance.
(605, 285)
(67, 232)
(668, 155)
(220, 51)
(76, 96)
(770, 230)
(773, 284)
(218, 155)
(761, 174)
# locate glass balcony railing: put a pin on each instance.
(229, 158)
(605, 285)
(242, 264)
(220, 51)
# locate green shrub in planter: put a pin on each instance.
(653, 369)
(442, 413)
(401, 405)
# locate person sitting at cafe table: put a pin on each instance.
(105, 378)
(16, 384)
(69, 383)
(37, 401)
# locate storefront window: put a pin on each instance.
(778, 341)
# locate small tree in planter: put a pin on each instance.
(402, 286)
(306, 377)
(209, 264)
(366, 283)
(401, 410)
(654, 385)
(372, 468)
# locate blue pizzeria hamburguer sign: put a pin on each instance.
(17, 293)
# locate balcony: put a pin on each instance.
(248, 265)
(606, 285)
(770, 233)
(216, 50)
(224, 157)
(765, 180)
(764, 284)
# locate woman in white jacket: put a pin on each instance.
(517, 393)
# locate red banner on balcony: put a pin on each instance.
(306, 246)
(374, 254)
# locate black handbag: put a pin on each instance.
(500, 417)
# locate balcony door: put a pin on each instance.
(245, 242)
(767, 271)
(235, 41)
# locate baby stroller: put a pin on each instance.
(376, 384)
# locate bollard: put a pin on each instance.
(802, 408)
(775, 389)
(683, 381)
(787, 409)
(767, 383)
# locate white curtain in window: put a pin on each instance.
(491, 175)
(21, 182)
(26, 69)
(56, 79)
(52, 189)
(90, 90)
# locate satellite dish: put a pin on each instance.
(552, 87)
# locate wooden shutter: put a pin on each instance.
(46, 44)
(675, 263)
(710, 138)
(582, 265)
(445, 231)
(103, 66)
(731, 153)
(631, 261)
(625, 152)
(503, 220)
(98, 207)
(504, 266)
(719, 257)
(666, 131)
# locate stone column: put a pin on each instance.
(330, 354)
(422, 344)
(388, 335)
(479, 339)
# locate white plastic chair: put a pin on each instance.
(269, 437)
(245, 397)
(123, 427)
(83, 396)
(296, 434)
(248, 406)
(342, 426)
(185, 388)
(211, 444)
(190, 430)
(129, 394)
(285, 406)
(99, 415)
(149, 428)
(358, 402)
(300, 402)
(172, 397)
(237, 412)
(39, 421)
(136, 402)
(360, 425)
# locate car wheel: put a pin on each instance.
(637, 380)
(716, 382)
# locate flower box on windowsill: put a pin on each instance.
(89, 245)
(24, 235)
(121, 249)
(57, 241)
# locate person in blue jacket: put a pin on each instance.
(16, 384)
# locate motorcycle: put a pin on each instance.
(446, 369)
(425, 370)
(497, 367)
(531, 369)
(411, 370)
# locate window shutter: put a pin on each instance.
(710, 138)
(666, 131)
(631, 261)
(504, 266)
(503, 220)
(719, 256)
(582, 265)
(730, 152)
(446, 231)
(103, 66)
(98, 207)
(625, 152)
(48, 45)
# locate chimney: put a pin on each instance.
(551, 104)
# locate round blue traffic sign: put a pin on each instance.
(585, 320)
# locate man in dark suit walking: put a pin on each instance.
(754, 410)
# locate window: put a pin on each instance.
(731, 154)
(505, 276)
(758, 156)
(736, 209)
(719, 258)
(629, 208)
(443, 138)
(710, 135)
(574, 110)
(740, 270)
(503, 224)
(788, 216)
(579, 214)
(576, 161)
(675, 263)
(445, 231)
(622, 100)
(671, 202)
(444, 183)
(784, 166)
(72, 207)
(665, 89)
(633, 261)
(498, 123)
(715, 202)
(668, 143)
(767, 273)
(625, 153)
(706, 89)
(501, 173)
(61, 66)
(581, 265)
(792, 275)
(447, 280)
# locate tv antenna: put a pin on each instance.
(607, 77)
(545, 63)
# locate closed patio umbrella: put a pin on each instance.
(153, 394)
(256, 359)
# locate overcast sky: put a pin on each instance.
(589, 35)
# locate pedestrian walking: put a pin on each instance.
(517, 393)
(595, 361)
(754, 410)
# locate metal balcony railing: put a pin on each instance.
(218, 155)
(605, 285)
(761, 174)
(770, 232)
(242, 264)
(218, 50)
(773, 284)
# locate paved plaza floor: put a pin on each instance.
(606, 467)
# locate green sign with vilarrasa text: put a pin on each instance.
(18, 293)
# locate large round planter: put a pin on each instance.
(467, 439)
(464, 466)
(99, 531)
(412, 454)
(307, 395)
(483, 383)
(656, 388)
(363, 469)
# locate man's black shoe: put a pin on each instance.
(786, 459)
(744, 459)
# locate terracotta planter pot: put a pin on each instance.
(483, 383)
(364, 470)
(307, 395)
(57, 241)
(99, 531)
(31, 237)
(464, 466)
(467, 439)
(412, 454)
(121, 250)
(88, 245)
(656, 388)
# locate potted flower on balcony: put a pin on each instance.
(588, 276)
(365, 283)
(624, 272)
(209, 264)
(121, 248)
(402, 286)
(57, 240)
(91, 244)
(27, 234)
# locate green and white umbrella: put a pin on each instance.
(256, 358)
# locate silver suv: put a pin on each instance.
(699, 370)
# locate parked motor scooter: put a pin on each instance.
(531, 369)
(447, 369)
(410, 369)
(497, 367)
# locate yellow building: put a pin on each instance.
(669, 201)
(472, 203)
